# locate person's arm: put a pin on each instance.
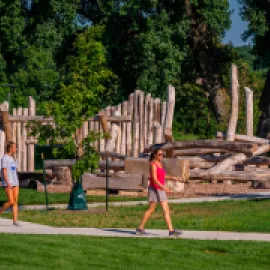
(4, 173)
(154, 177)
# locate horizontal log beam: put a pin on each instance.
(242, 147)
(58, 162)
(244, 138)
(113, 165)
(116, 119)
(198, 151)
(112, 155)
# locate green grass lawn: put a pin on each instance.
(82, 252)
(242, 216)
(30, 196)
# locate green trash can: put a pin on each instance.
(77, 200)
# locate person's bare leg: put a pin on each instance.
(166, 214)
(9, 202)
(15, 203)
(148, 213)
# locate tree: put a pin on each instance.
(257, 13)
(88, 84)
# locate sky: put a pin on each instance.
(237, 28)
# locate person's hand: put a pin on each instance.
(166, 190)
(179, 179)
(9, 186)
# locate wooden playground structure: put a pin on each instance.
(140, 125)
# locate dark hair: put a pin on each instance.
(9, 145)
(153, 154)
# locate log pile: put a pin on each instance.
(220, 159)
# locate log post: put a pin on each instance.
(146, 118)
(129, 125)
(157, 121)
(249, 111)
(119, 135)
(31, 147)
(14, 127)
(234, 104)
(23, 142)
(124, 130)
(141, 121)
(150, 121)
(169, 113)
(136, 125)
(4, 108)
(19, 141)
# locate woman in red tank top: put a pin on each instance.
(157, 192)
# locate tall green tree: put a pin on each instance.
(257, 13)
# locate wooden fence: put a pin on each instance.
(140, 121)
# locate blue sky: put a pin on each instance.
(237, 28)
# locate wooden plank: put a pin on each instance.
(124, 129)
(116, 119)
(112, 155)
(129, 125)
(19, 145)
(141, 121)
(113, 165)
(14, 127)
(242, 147)
(150, 121)
(249, 111)
(31, 147)
(163, 116)
(6, 125)
(245, 138)
(169, 108)
(119, 135)
(198, 151)
(146, 118)
(2, 143)
(157, 121)
(174, 167)
(136, 125)
(49, 163)
(24, 138)
(118, 182)
(234, 104)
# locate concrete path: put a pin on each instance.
(31, 228)
(258, 195)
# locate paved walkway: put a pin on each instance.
(258, 195)
(32, 228)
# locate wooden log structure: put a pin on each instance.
(6, 120)
(234, 104)
(249, 111)
(244, 138)
(243, 147)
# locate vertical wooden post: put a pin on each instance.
(249, 111)
(141, 121)
(96, 130)
(157, 121)
(23, 142)
(31, 147)
(150, 121)
(119, 135)
(4, 108)
(163, 116)
(129, 124)
(85, 131)
(169, 109)
(124, 129)
(136, 125)
(234, 104)
(19, 141)
(146, 104)
(14, 127)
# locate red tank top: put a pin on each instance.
(160, 177)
